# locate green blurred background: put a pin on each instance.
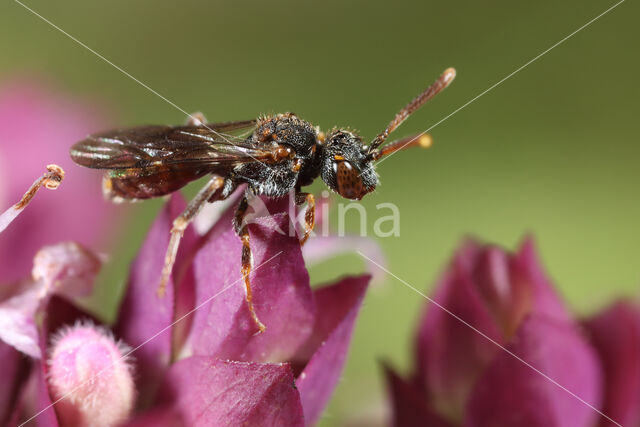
(552, 151)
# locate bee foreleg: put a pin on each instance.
(180, 224)
(309, 213)
(243, 232)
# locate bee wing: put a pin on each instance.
(241, 126)
(179, 147)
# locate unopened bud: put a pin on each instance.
(92, 376)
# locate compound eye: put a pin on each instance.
(349, 181)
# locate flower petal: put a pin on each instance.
(60, 312)
(66, 269)
(451, 355)
(337, 307)
(491, 290)
(45, 414)
(615, 334)
(14, 368)
(207, 391)
(409, 402)
(503, 287)
(145, 319)
(545, 299)
(281, 294)
(511, 393)
(17, 321)
(157, 417)
(321, 248)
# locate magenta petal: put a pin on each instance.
(282, 297)
(57, 314)
(492, 291)
(334, 303)
(545, 299)
(451, 355)
(145, 319)
(505, 291)
(45, 415)
(33, 406)
(321, 248)
(337, 307)
(211, 392)
(511, 393)
(409, 402)
(615, 334)
(14, 369)
(158, 417)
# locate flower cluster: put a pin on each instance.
(188, 358)
(194, 354)
(499, 347)
(521, 358)
(210, 363)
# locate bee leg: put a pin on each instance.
(196, 119)
(309, 214)
(243, 232)
(207, 193)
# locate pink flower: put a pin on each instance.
(62, 275)
(462, 378)
(37, 127)
(194, 354)
(210, 365)
(615, 333)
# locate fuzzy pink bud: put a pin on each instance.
(89, 372)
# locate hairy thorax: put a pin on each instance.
(299, 164)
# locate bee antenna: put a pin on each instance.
(423, 140)
(442, 82)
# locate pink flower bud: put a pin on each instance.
(88, 372)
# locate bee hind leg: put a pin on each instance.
(207, 194)
(243, 232)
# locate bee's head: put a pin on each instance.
(346, 167)
(347, 164)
